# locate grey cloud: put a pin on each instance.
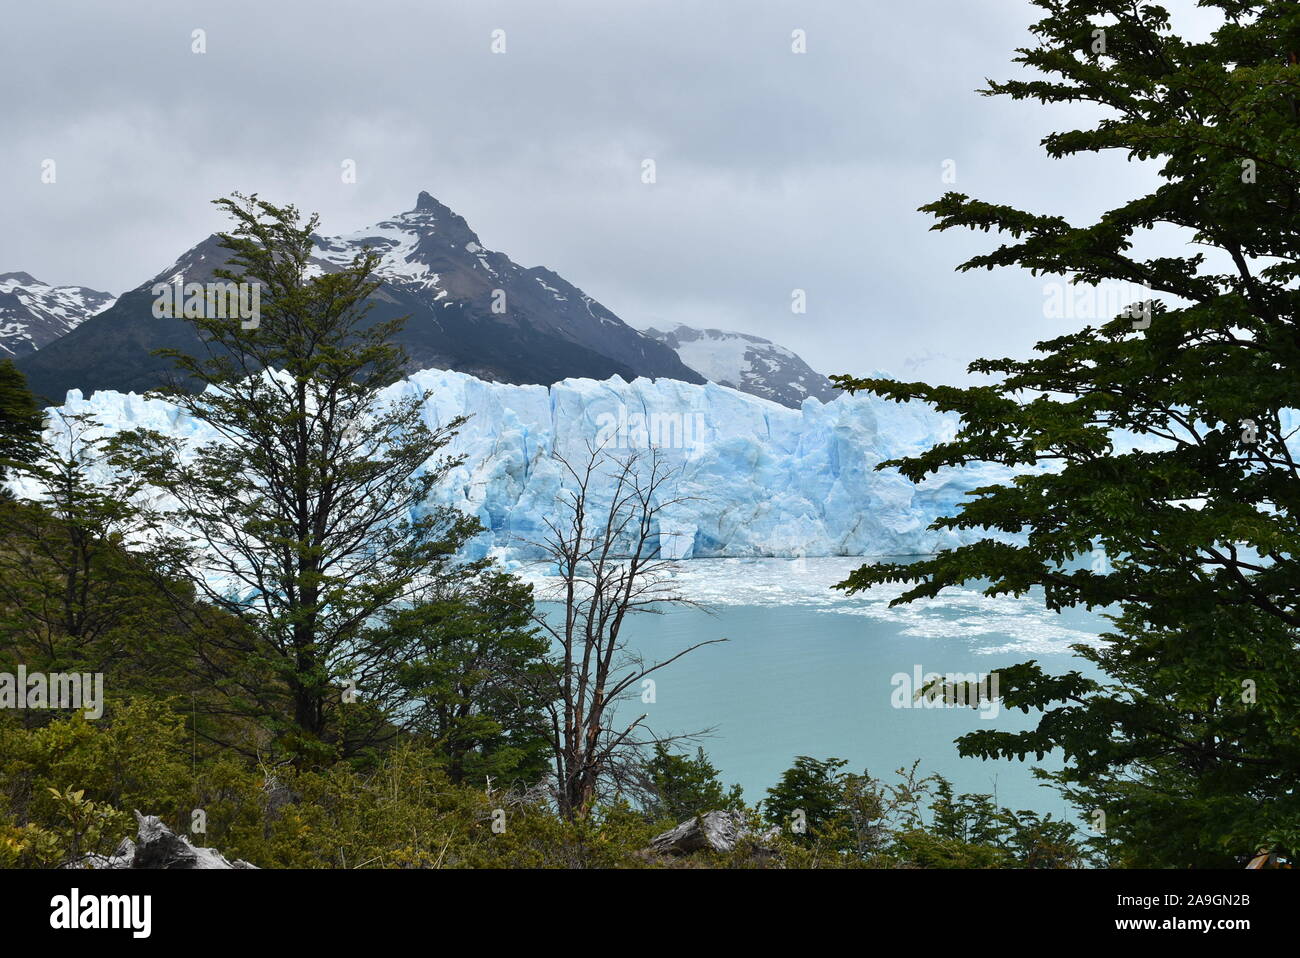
(775, 171)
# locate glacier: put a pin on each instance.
(755, 478)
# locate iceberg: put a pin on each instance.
(751, 477)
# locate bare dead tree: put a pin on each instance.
(606, 554)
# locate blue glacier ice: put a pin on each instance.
(756, 478)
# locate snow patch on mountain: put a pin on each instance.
(749, 363)
(34, 314)
(464, 307)
(408, 242)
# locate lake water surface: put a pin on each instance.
(807, 670)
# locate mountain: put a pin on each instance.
(34, 314)
(752, 478)
(470, 309)
(431, 255)
(749, 363)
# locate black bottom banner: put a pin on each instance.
(343, 908)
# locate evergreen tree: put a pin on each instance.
(682, 787)
(306, 516)
(809, 800)
(20, 421)
(76, 592)
(1167, 430)
(70, 596)
(470, 671)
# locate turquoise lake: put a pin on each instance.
(809, 671)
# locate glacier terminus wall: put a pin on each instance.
(756, 478)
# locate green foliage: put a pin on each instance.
(473, 676)
(854, 820)
(83, 825)
(133, 758)
(70, 595)
(76, 597)
(79, 827)
(1191, 751)
(972, 825)
(403, 813)
(683, 787)
(29, 846)
(20, 421)
(308, 498)
(69, 789)
(809, 800)
(535, 837)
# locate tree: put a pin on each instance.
(21, 421)
(683, 787)
(810, 800)
(603, 543)
(965, 818)
(79, 591)
(70, 595)
(1165, 432)
(306, 515)
(475, 671)
(967, 824)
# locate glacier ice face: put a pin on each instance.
(755, 478)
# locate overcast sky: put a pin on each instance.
(774, 170)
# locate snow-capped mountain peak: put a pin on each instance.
(465, 307)
(34, 314)
(413, 245)
(749, 363)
